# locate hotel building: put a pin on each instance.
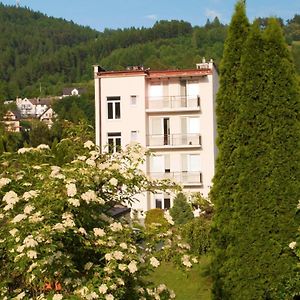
(170, 112)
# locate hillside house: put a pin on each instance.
(172, 113)
(68, 92)
(11, 121)
(48, 116)
(33, 108)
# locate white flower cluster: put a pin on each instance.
(30, 194)
(11, 198)
(293, 245)
(116, 227)
(68, 220)
(186, 261)
(43, 147)
(55, 172)
(4, 181)
(168, 217)
(88, 144)
(74, 202)
(154, 262)
(24, 150)
(71, 189)
(91, 196)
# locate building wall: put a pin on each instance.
(146, 119)
(132, 116)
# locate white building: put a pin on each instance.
(170, 112)
(33, 108)
(48, 117)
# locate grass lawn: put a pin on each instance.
(193, 285)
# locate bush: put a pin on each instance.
(57, 239)
(155, 216)
(197, 234)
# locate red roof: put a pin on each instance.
(156, 74)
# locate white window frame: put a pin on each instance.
(114, 141)
(114, 101)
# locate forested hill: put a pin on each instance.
(40, 54)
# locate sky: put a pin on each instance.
(101, 14)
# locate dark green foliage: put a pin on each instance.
(40, 55)
(226, 176)
(257, 263)
(39, 134)
(296, 55)
(181, 211)
(75, 108)
(292, 29)
(155, 216)
(197, 234)
(269, 186)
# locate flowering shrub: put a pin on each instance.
(57, 238)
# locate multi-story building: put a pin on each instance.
(170, 112)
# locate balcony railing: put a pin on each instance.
(189, 139)
(173, 102)
(180, 177)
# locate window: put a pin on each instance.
(167, 203)
(156, 89)
(113, 108)
(190, 162)
(163, 203)
(134, 136)
(114, 141)
(158, 203)
(133, 99)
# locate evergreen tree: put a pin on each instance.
(258, 263)
(225, 180)
(181, 211)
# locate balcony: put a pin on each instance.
(173, 103)
(190, 140)
(185, 178)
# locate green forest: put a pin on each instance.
(39, 54)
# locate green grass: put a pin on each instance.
(192, 285)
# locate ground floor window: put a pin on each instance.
(162, 202)
(114, 141)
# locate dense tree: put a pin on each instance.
(39, 134)
(269, 186)
(181, 211)
(75, 108)
(226, 178)
(266, 188)
(36, 50)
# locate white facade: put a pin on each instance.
(172, 113)
(32, 108)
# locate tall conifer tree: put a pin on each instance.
(225, 179)
(267, 163)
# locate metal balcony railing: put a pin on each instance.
(189, 139)
(185, 177)
(173, 102)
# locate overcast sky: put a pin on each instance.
(100, 14)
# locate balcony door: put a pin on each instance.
(192, 93)
(193, 125)
(166, 129)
